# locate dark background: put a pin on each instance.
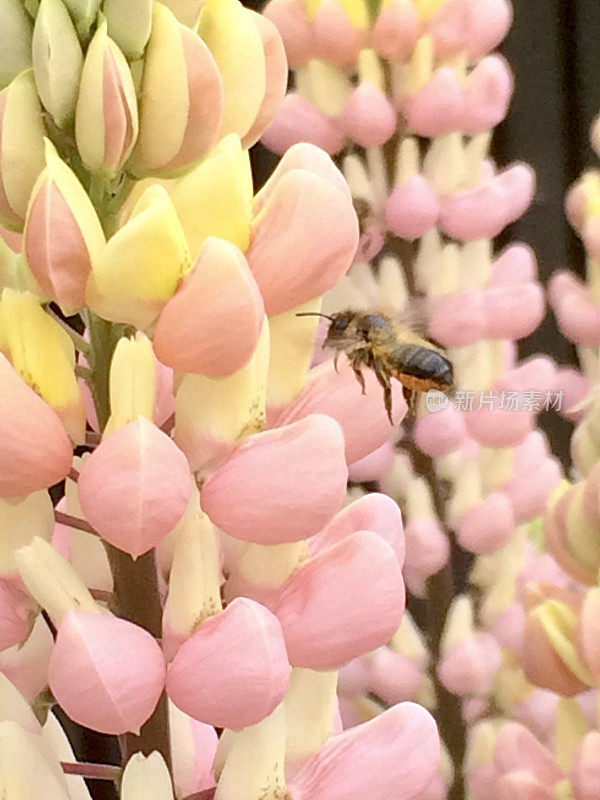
(554, 50)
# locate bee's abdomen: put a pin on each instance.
(424, 364)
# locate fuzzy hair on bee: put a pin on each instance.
(378, 342)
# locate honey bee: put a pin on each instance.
(375, 340)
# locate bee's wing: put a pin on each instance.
(413, 319)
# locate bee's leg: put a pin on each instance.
(355, 363)
(384, 380)
(335, 360)
(411, 398)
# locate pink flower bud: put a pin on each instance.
(509, 628)
(297, 121)
(371, 512)
(342, 603)
(529, 492)
(393, 676)
(577, 314)
(35, 450)
(182, 98)
(487, 95)
(518, 749)
(222, 339)
(106, 672)
(488, 526)
(499, 427)
(513, 312)
(427, 551)
(412, 208)
(363, 417)
(459, 319)
(588, 632)
(373, 466)
(516, 264)
(470, 666)
(440, 433)
(523, 784)
(303, 240)
(368, 118)
(575, 387)
(576, 203)
(135, 487)
(234, 670)
(294, 27)
(585, 776)
(396, 30)
(437, 108)
(338, 39)
(394, 755)
(489, 24)
(273, 489)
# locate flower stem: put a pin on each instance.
(100, 772)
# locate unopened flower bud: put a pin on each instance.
(57, 60)
(132, 386)
(106, 116)
(146, 777)
(15, 25)
(62, 233)
(22, 156)
(186, 11)
(129, 24)
(182, 98)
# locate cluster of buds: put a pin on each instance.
(205, 576)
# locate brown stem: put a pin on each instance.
(73, 522)
(100, 772)
(205, 794)
(92, 439)
(73, 474)
(138, 600)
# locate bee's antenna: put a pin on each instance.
(314, 314)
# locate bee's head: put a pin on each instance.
(338, 329)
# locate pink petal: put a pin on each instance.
(478, 213)
(427, 551)
(516, 264)
(282, 485)
(518, 183)
(449, 27)
(576, 205)
(363, 417)
(277, 77)
(487, 96)
(341, 604)
(577, 314)
(488, 526)
(588, 632)
(373, 466)
(55, 248)
(106, 672)
(437, 109)
(26, 664)
(510, 627)
(396, 30)
(368, 117)
(459, 319)
(294, 26)
(489, 24)
(206, 101)
(529, 493)
(296, 121)
(394, 677)
(499, 427)
(118, 121)
(371, 512)
(15, 608)
(513, 312)
(522, 784)
(234, 670)
(517, 748)
(303, 241)
(135, 487)
(412, 208)
(337, 40)
(440, 433)
(470, 666)
(586, 767)
(575, 387)
(394, 755)
(222, 339)
(35, 450)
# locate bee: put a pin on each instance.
(376, 341)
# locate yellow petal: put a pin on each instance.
(20, 520)
(309, 706)
(215, 198)
(235, 43)
(142, 264)
(129, 24)
(15, 55)
(559, 622)
(28, 770)
(571, 727)
(42, 353)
